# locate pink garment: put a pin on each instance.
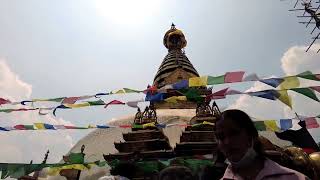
(270, 171)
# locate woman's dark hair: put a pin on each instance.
(243, 121)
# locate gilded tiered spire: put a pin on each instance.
(175, 66)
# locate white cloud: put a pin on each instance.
(23, 146)
(294, 61)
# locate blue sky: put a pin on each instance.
(70, 48)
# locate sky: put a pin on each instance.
(78, 47)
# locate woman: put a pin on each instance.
(238, 140)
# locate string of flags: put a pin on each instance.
(17, 170)
(261, 125)
(286, 82)
(187, 94)
(45, 126)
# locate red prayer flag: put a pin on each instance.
(316, 88)
(311, 122)
(125, 126)
(4, 101)
(20, 127)
(231, 77)
(114, 102)
(309, 150)
(218, 95)
(70, 100)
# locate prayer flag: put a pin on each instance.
(3, 129)
(127, 90)
(290, 82)
(175, 99)
(311, 123)
(59, 127)
(39, 125)
(114, 102)
(231, 77)
(267, 94)
(96, 103)
(260, 126)
(102, 126)
(183, 84)
(74, 158)
(232, 92)
(215, 80)
(77, 105)
(274, 82)
(4, 101)
(285, 124)
(29, 127)
(218, 95)
(161, 125)
(307, 92)
(155, 98)
(316, 88)
(125, 126)
(285, 98)
(198, 81)
(70, 100)
(271, 125)
(19, 127)
(308, 75)
(137, 126)
(49, 126)
(251, 77)
(149, 125)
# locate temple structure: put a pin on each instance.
(147, 141)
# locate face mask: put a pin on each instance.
(246, 159)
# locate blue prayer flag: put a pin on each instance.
(285, 124)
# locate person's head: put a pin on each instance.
(176, 173)
(236, 135)
(124, 169)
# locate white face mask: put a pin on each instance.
(246, 159)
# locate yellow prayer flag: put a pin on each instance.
(77, 105)
(149, 125)
(53, 171)
(198, 81)
(121, 91)
(285, 98)
(290, 82)
(175, 99)
(39, 125)
(271, 125)
(92, 126)
(209, 123)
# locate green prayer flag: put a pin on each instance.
(29, 127)
(197, 164)
(137, 126)
(260, 126)
(127, 90)
(215, 80)
(96, 103)
(308, 75)
(74, 158)
(56, 99)
(6, 110)
(307, 92)
(192, 95)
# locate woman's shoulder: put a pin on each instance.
(274, 170)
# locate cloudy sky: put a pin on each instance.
(78, 47)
